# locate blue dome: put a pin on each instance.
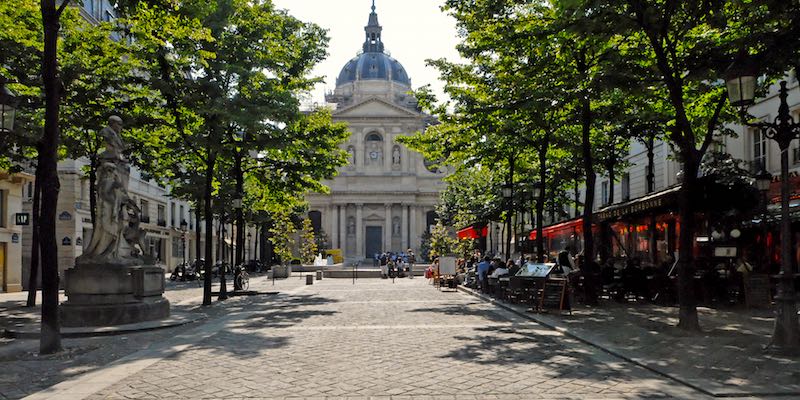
(373, 66)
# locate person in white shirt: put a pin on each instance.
(500, 271)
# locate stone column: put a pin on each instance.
(404, 231)
(333, 220)
(387, 233)
(413, 240)
(343, 227)
(359, 231)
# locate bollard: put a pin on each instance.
(319, 275)
(309, 279)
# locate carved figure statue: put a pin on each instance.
(351, 156)
(117, 238)
(351, 226)
(396, 156)
(396, 226)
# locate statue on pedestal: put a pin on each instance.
(117, 238)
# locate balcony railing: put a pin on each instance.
(145, 219)
(162, 222)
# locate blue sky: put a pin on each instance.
(413, 30)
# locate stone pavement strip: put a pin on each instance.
(726, 360)
(374, 340)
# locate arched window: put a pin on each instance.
(316, 220)
(374, 137)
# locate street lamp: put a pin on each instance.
(8, 107)
(249, 238)
(183, 240)
(508, 195)
(740, 80)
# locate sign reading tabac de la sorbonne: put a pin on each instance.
(664, 200)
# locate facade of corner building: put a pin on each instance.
(161, 218)
(161, 214)
(11, 250)
(634, 194)
(383, 200)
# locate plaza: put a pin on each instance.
(375, 339)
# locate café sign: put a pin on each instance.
(637, 207)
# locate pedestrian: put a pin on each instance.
(483, 272)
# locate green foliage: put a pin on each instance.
(281, 235)
(442, 241)
(308, 242)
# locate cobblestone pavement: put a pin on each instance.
(373, 340)
(726, 359)
(26, 372)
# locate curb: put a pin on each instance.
(176, 319)
(616, 353)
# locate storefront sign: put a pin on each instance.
(22, 218)
(66, 241)
(65, 216)
(15, 238)
(664, 200)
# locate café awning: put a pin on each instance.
(472, 232)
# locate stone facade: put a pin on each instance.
(384, 199)
(11, 187)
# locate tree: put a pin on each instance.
(685, 47)
(308, 244)
(47, 174)
(232, 90)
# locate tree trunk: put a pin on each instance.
(540, 207)
(209, 217)
(93, 188)
(688, 307)
(223, 284)
(50, 340)
(510, 208)
(577, 198)
(239, 175)
(611, 178)
(651, 165)
(33, 276)
(588, 165)
(198, 231)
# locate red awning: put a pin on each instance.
(472, 233)
(575, 225)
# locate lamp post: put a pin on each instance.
(247, 254)
(183, 241)
(763, 182)
(8, 107)
(508, 195)
(741, 82)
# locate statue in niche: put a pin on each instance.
(396, 226)
(351, 226)
(396, 156)
(117, 239)
(351, 156)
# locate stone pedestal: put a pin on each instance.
(113, 295)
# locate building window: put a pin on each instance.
(626, 186)
(172, 214)
(30, 190)
(145, 206)
(191, 219)
(759, 149)
(181, 216)
(3, 208)
(162, 218)
(176, 247)
(604, 192)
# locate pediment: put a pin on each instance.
(374, 108)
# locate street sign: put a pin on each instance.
(23, 218)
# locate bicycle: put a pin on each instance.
(241, 279)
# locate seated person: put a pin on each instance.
(500, 271)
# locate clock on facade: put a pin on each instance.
(373, 155)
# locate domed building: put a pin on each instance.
(384, 199)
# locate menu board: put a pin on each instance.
(447, 265)
(535, 270)
(554, 295)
